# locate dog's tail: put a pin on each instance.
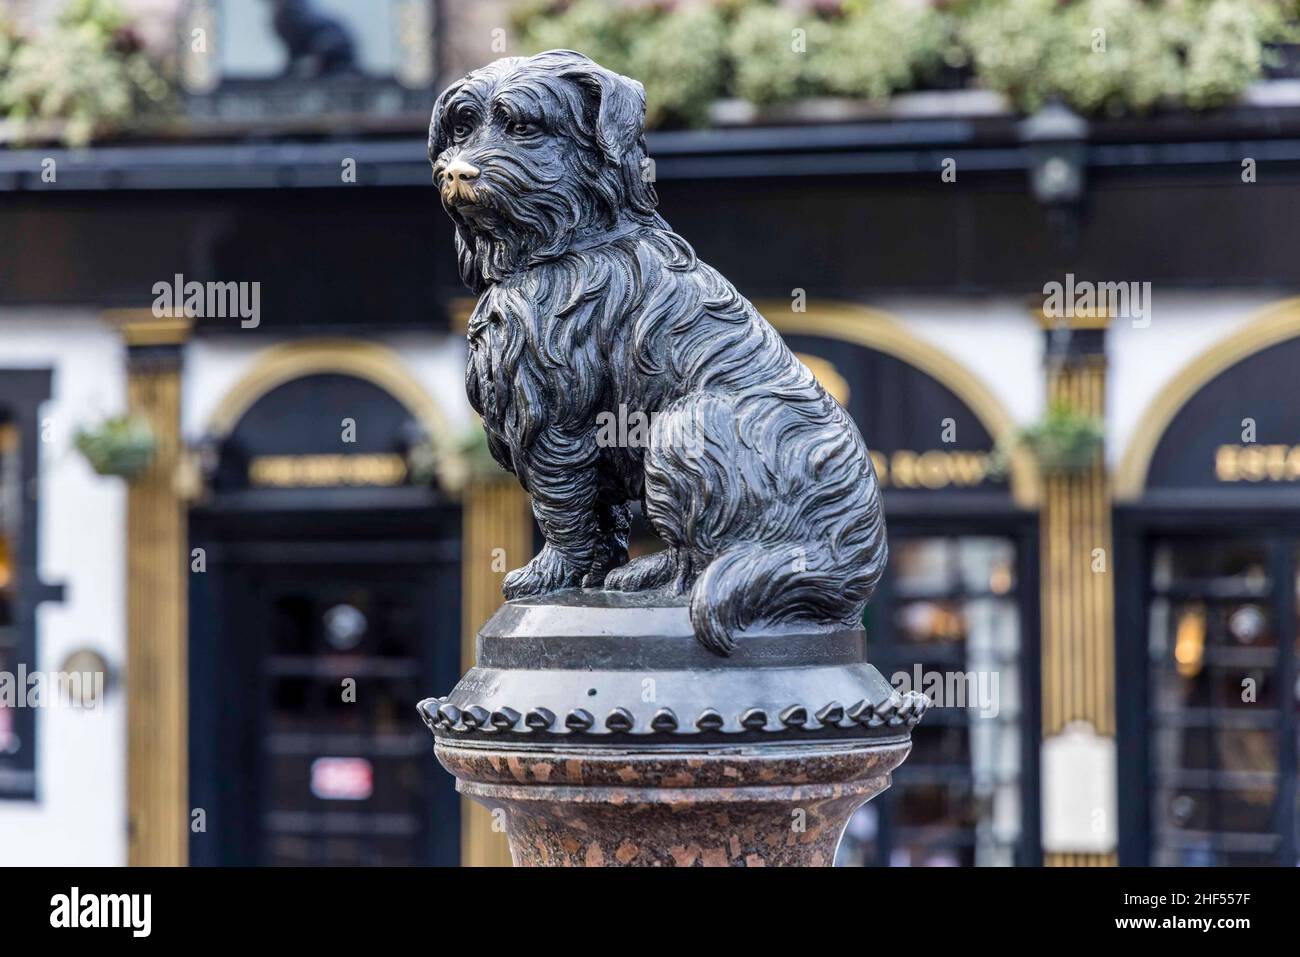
(750, 582)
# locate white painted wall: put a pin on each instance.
(1144, 360)
(79, 816)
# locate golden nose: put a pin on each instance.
(458, 171)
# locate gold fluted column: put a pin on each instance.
(498, 536)
(1078, 619)
(157, 682)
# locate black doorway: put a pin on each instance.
(1208, 654)
(960, 599)
(313, 634)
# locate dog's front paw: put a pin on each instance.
(548, 571)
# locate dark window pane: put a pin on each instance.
(948, 623)
(1215, 698)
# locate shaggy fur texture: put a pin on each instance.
(591, 308)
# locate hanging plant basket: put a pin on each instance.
(1065, 442)
(121, 446)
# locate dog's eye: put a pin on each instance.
(523, 128)
(460, 131)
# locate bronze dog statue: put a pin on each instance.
(757, 481)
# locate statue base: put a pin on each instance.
(608, 736)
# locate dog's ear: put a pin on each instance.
(619, 107)
(439, 139)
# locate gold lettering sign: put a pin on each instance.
(321, 471)
(1257, 463)
(933, 469)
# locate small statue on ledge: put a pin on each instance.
(591, 307)
(315, 44)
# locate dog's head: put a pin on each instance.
(534, 154)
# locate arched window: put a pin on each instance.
(1207, 638)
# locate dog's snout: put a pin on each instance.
(457, 172)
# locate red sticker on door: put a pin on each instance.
(342, 779)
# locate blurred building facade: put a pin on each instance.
(1110, 633)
